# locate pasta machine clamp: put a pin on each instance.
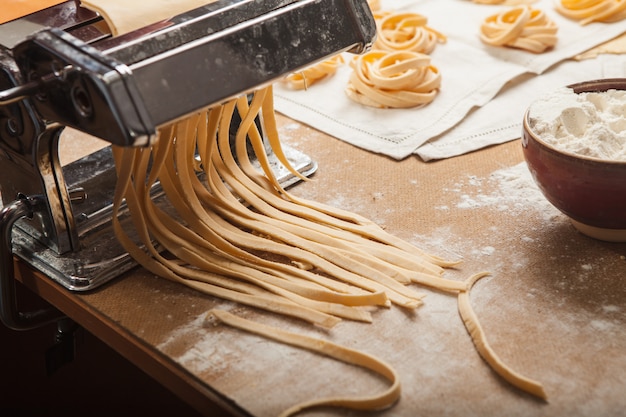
(61, 67)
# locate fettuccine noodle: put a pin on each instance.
(520, 27)
(393, 79)
(333, 350)
(484, 349)
(587, 11)
(406, 32)
(302, 80)
(213, 240)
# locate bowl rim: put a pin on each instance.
(591, 86)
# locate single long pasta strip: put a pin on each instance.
(484, 349)
(384, 400)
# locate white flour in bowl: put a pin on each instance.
(589, 124)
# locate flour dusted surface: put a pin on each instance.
(590, 124)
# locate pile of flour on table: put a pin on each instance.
(590, 124)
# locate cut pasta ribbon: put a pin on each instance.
(344, 354)
(302, 80)
(587, 11)
(486, 352)
(520, 27)
(406, 32)
(238, 235)
(393, 79)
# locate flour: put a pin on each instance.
(511, 190)
(589, 124)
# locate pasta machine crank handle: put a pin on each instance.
(24, 91)
(23, 207)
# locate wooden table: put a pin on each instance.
(553, 307)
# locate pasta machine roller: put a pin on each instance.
(61, 67)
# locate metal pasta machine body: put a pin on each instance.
(60, 67)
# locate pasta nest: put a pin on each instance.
(587, 11)
(301, 80)
(400, 79)
(520, 27)
(405, 32)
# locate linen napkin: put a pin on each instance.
(472, 73)
(500, 120)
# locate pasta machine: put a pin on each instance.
(61, 67)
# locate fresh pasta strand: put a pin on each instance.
(154, 262)
(337, 223)
(406, 31)
(520, 27)
(393, 79)
(484, 349)
(220, 225)
(305, 78)
(588, 11)
(333, 350)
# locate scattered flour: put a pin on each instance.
(487, 250)
(512, 190)
(589, 124)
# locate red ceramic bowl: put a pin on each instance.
(590, 191)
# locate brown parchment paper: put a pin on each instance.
(553, 307)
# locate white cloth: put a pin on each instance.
(472, 73)
(500, 120)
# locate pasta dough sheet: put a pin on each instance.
(125, 17)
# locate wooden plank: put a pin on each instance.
(13, 9)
